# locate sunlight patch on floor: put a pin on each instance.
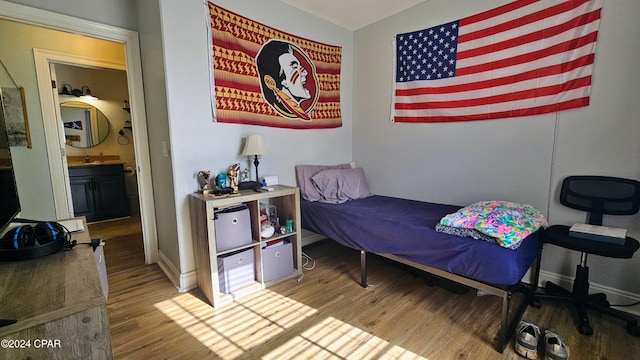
(335, 339)
(295, 329)
(236, 327)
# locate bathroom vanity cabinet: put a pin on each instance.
(99, 191)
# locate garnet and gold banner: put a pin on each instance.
(263, 76)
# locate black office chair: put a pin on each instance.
(597, 195)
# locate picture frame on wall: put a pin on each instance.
(4, 141)
(14, 109)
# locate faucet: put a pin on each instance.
(87, 159)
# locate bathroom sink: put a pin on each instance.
(94, 160)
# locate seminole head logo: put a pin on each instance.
(288, 79)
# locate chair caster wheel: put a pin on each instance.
(585, 329)
(633, 329)
(599, 300)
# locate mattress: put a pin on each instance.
(406, 228)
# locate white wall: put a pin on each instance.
(604, 139)
(198, 143)
(510, 159)
(149, 30)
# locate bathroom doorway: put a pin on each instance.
(109, 83)
(98, 129)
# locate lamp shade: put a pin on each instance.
(253, 145)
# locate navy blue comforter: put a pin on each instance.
(406, 228)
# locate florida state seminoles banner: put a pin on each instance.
(267, 77)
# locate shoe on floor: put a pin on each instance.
(554, 347)
(527, 335)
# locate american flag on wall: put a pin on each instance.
(263, 76)
(524, 58)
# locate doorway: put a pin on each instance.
(53, 135)
(98, 129)
(54, 132)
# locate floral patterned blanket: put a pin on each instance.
(507, 223)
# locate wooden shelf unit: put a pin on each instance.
(202, 207)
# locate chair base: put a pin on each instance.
(583, 301)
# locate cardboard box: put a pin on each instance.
(270, 180)
(599, 233)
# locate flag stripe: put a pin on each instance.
(532, 37)
(504, 9)
(526, 54)
(525, 79)
(527, 111)
(493, 29)
(530, 57)
(499, 98)
(494, 107)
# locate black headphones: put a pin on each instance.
(29, 242)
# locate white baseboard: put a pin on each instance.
(614, 296)
(309, 237)
(182, 282)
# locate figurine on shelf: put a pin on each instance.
(232, 175)
(203, 181)
(221, 180)
(244, 175)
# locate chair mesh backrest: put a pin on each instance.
(600, 195)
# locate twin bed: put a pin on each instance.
(337, 204)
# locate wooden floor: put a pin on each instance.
(327, 315)
(123, 242)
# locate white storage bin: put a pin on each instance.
(236, 270)
(277, 262)
(233, 227)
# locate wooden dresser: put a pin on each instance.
(59, 305)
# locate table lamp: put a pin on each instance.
(253, 146)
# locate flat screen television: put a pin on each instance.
(9, 201)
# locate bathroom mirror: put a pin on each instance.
(84, 125)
